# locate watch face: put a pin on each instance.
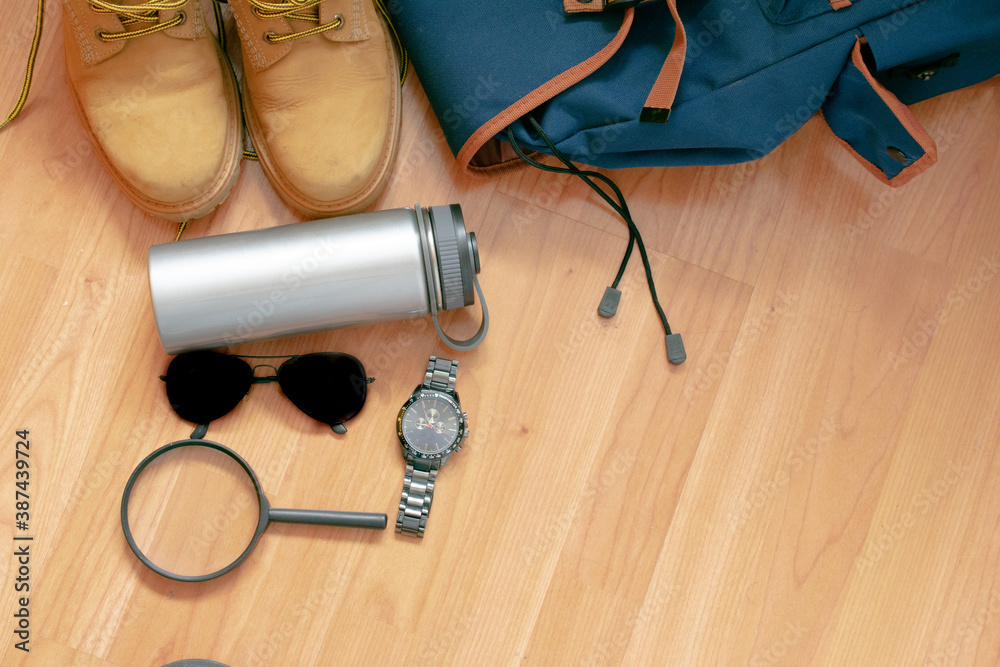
(430, 424)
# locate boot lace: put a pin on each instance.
(299, 10)
(29, 70)
(306, 10)
(143, 12)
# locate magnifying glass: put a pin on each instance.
(217, 511)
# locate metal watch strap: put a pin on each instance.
(441, 374)
(415, 505)
(418, 484)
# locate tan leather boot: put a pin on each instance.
(159, 100)
(321, 98)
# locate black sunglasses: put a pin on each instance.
(330, 387)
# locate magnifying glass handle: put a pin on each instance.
(329, 518)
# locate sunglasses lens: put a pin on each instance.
(203, 386)
(328, 387)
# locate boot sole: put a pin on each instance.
(223, 184)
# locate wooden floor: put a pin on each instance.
(816, 485)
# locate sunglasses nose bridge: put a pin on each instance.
(264, 379)
(261, 379)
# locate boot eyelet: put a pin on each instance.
(101, 34)
(183, 17)
(339, 20)
(269, 36)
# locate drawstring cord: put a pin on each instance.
(609, 303)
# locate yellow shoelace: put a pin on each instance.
(294, 9)
(404, 58)
(23, 97)
(300, 10)
(144, 12)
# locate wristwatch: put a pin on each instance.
(431, 427)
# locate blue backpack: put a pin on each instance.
(628, 84)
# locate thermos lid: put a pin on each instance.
(453, 268)
(457, 256)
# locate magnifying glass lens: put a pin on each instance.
(193, 510)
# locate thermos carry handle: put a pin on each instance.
(477, 338)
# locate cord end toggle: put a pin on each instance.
(609, 302)
(675, 349)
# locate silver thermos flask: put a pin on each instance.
(313, 276)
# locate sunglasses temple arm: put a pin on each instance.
(329, 518)
(199, 431)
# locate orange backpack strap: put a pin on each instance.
(661, 97)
